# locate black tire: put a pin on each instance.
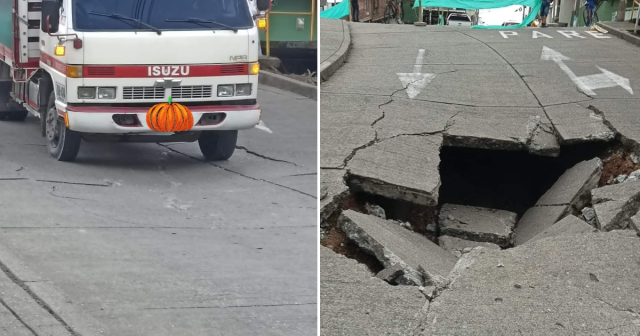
(218, 145)
(63, 143)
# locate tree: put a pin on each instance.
(622, 8)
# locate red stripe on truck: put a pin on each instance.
(163, 71)
(53, 62)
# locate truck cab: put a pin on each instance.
(102, 65)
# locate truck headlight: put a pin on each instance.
(86, 92)
(225, 90)
(107, 93)
(243, 90)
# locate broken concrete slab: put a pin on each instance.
(511, 129)
(478, 224)
(401, 168)
(568, 225)
(375, 210)
(616, 204)
(332, 180)
(590, 216)
(535, 221)
(459, 246)
(353, 302)
(576, 124)
(573, 187)
(393, 245)
(634, 223)
(390, 274)
(562, 285)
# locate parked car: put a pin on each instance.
(511, 23)
(459, 19)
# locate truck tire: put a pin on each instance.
(63, 143)
(218, 145)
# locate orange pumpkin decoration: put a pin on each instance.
(169, 117)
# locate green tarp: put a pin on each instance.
(487, 4)
(336, 12)
(6, 23)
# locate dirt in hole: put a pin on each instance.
(337, 240)
(617, 161)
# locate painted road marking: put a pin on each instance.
(589, 83)
(566, 33)
(416, 81)
(261, 126)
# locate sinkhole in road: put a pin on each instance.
(512, 181)
(504, 180)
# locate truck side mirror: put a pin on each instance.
(263, 5)
(50, 20)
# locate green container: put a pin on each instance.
(6, 23)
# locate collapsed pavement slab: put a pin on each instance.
(511, 129)
(423, 262)
(333, 191)
(577, 124)
(400, 168)
(353, 302)
(459, 246)
(574, 186)
(562, 285)
(535, 221)
(616, 204)
(635, 223)
(478, 224)
(568, 225)
(569, 194)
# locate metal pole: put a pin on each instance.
(350, 18)
(313, 14)
(420, 10)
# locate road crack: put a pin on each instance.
(267, 157)
(237, 173)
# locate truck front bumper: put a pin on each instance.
(99, 119)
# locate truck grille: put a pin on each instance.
(191, 92)
(143, 92)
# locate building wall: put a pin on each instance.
(372, 10)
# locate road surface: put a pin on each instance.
(147, 239)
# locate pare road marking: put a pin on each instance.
(569, 34)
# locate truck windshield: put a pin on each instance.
(160, 14)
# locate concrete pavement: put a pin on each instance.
(147, 239)
(389, 120)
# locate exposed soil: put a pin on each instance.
(616, 161)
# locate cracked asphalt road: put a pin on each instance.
(492, 90)
(147, 239)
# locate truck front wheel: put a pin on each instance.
(218, 145)
(63, 143)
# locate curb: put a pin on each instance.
(333, 63)
(621, 34)
(288, 84)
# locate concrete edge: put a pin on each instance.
(621, 34)
(333, 63)
(288, 84)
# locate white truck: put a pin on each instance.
(91, 69)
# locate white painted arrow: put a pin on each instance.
(589, 83)
(416, 81)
